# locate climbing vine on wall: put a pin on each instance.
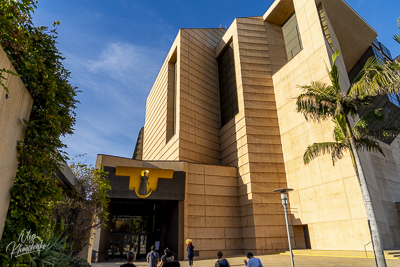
(33, 53)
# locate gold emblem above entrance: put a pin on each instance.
(143, 181)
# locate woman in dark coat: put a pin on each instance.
(190, 252)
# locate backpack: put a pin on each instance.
(165, 261)
(223, 263)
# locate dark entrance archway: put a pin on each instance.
(138, 221)
(137, 224)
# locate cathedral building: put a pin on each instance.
(222, 132)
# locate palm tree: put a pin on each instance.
(396, 37)
(364, 138)
(320, 101)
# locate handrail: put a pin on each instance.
(365, 248)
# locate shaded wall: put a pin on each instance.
(383, 177)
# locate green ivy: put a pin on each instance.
(33, 53)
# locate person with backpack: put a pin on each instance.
(253, 262)
(170, 254)
(164, 259)
(167, 260)
(221, 262)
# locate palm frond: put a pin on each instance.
(334, 73)
(361, 128)
(317, 102)
(337, 152)
(318, 149)
(369, 144)
(319, 90)
(339, 107)
(397, 37)
(384, 133)
(339, 132)
(376, 78)
(357, 102)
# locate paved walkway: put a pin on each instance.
(276, 260)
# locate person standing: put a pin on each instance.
(170, 254)
(190, 251)
(253, 262)
(152, 257)
(221, 262)
(165, 259)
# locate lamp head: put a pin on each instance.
(284, 194)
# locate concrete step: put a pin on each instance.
(389, 254)
(393, 253)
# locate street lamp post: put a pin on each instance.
(284, 197)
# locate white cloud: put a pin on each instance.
(127, 63)
(115, 87)
(123, 72)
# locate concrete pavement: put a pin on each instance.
(274, 260)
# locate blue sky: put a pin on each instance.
(114, 50)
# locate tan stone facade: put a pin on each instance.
(14, 108)
(232, 170)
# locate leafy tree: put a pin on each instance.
(33, 53)
(13, 18)
(85, 208)
(138, 225)
(320, 101)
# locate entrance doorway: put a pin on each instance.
(138, 224)
(126, 237)
(301, 237)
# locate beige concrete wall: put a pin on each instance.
(199, 120)
(112, 161)
(12, 129)
(212, 210)
(327, 198)
(382, 184)
(261, 165)
(251, 139)
(155, 146)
